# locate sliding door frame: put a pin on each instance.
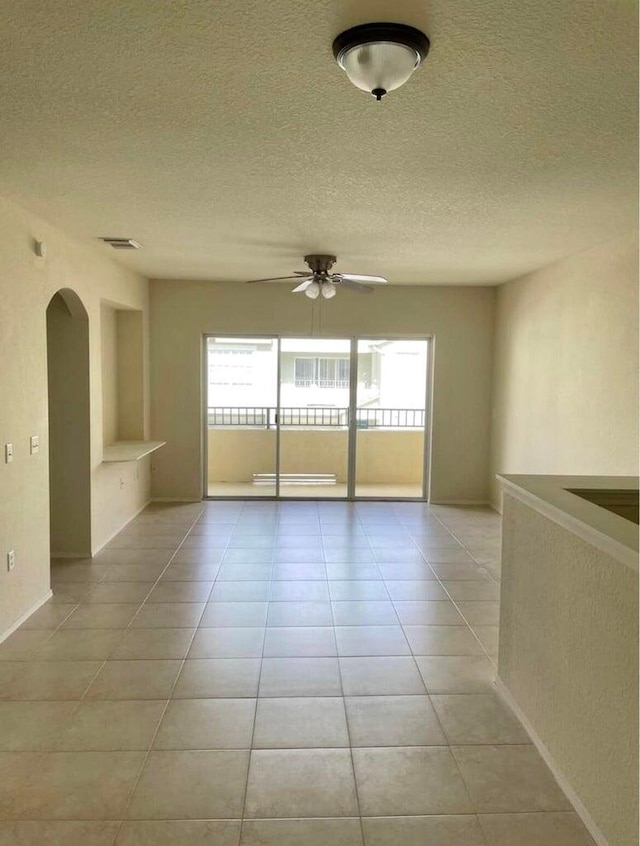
(352, 421)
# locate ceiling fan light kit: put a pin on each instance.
(380, 57)
(319, 280)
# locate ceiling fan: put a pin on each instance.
(319, 280)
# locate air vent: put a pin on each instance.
(122, 243)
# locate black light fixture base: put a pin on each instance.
(393, 32)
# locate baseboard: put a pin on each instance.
(25, 616)
(572, 796)
(460, 502)
(117, 531)
(174, 499)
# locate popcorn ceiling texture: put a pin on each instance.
(224, 137)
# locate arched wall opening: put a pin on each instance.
(69, 426)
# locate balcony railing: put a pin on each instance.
(266, 417)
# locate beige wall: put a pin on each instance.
(565, 387)
(382, 456)
(461, 319)
(569, 659)
(27, 284)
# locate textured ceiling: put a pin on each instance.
(222, 135)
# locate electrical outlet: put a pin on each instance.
(11, 560)
(34, 444)
(8, 453)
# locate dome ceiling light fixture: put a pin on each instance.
(380, 57)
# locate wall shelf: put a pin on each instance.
(129, 450)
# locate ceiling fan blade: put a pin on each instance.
(356, 277)
(303, 285)
(274, 279)
(354, 286)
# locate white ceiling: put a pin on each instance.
(222, 135)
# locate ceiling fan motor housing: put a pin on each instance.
(321, 264)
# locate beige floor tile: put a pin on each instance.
(150, 644)
(22, 645)
(299, 614)
(119, 592)
(420, 831)
(297, 723)
(546, 829)
(393, 721)
(85, 645)
(428, 613)
(364, 613)
(207, 724)
(301, 641)
(111, 726)
(300, 677)
(479, 591)
(299, 591)
(480, 613)
(209, 557)
(343, 572)
(180, 592)
(177, 572)
(371, 640)
(380, 676)
(468, 571)
(134, 572)
(411, 572)
(218, 677)
(78, 571)
(457, 674)
(191, 785)
(157, 540)
(135, 680)
(134, 556)
(442, 640)
(50, 616)
(469, 718)
(410, 589)
(318, 832)
(70, 592)
(49, 680)
(32, 726)
(301, 783)
(238, 642)
(488, 637)
(180, 833)
(101, 616)
(234, 614)
(509, 779)
(79, 786)
(15, 769)
(303, 572)
(8, 671)
(409, 780)
(257, 591)
(357, 590)
(244, 572)
(58, 833)
(168, 615)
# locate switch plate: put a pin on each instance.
(34, 444)
(8, 453)
(11, 560)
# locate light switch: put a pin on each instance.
(34, 442)
(8, 453)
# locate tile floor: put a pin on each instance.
(273, 674)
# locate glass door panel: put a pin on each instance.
(391, 403)
(242, 389)
(314, 417)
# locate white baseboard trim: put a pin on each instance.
(572, 796)
(25, 616)
(117, 531)
(459, 502)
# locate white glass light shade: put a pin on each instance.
(328, 290)
(313, 291)
(379, 65)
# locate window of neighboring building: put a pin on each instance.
(321, 372)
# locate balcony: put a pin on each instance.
(314, 441)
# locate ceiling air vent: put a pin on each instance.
(122, 243)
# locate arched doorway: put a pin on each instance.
(69, 426)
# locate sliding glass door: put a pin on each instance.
(316, 417)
